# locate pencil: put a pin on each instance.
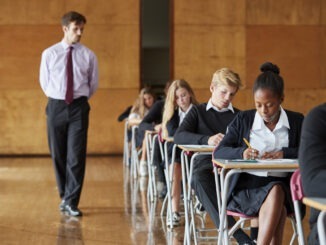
(247, 143)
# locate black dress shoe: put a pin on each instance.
(72, 211)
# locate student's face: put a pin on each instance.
(182, 98)
(267, 104)
(73, 32)
(222, 95)
(148, 100)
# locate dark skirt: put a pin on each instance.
(251, 191)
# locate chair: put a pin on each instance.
(151, 137)
(134, 153)
(297, 196)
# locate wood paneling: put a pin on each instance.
(31, 12)
(118, 51)
(112, 12)
(210, 12)
(49, 12)
(21, 48)
(22, 117)
(105, 133)
(323, 13)
(200, 50)
(295, 49)
(285, 12)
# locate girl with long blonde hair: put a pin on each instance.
(180, 99)
(141, 106)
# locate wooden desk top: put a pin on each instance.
(315, 202)
(197, 148)
(257, 164)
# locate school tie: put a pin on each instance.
(70, 78)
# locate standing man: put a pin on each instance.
(69, 77)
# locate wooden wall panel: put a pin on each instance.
(31, 12)
(105, 132)
(296, 49)
(323, 13)
(286, 12)
(111, 12)
(210, 12)
(21, 48)
(49, 12)
(118, 52)
(200, 50)
(22, 117)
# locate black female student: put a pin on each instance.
(273, 133)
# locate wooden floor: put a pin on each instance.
(115, 209)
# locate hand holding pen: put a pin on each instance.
(250, 153)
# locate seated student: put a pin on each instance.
(312, 161)
(206, 124)
(179, 100)
(273, 133)
(152, 121)
(141, 106)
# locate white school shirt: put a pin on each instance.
(182, 114)
(265, 140)
(210, 105)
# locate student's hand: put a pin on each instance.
(250, 153)
(215, 139)
(273, 155)
(157, 127)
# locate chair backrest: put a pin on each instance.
(296, 186)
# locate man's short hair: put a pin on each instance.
(72, 16)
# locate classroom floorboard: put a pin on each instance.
(115, 207)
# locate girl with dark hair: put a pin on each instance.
(273, 133)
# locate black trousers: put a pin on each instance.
(67, 137)
(203, 182)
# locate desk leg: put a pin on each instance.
(223, 217)
(185, 198)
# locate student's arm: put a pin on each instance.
(232, 146)
(187, 131)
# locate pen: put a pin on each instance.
(247, 143)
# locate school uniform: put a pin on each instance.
(247, 191)
(202, 122)
(172, 125)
